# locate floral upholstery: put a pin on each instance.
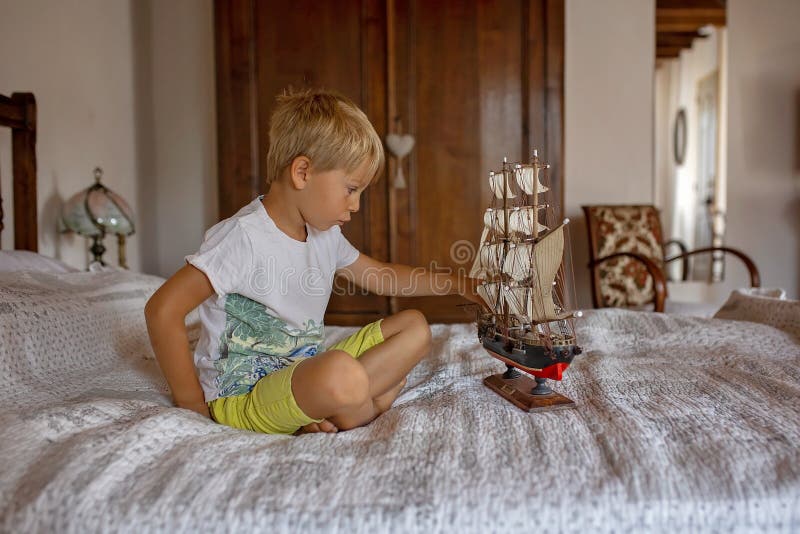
(624, 281)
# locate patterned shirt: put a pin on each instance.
(271, 292)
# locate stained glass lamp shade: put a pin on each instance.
(97, 211)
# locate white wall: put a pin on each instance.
(608, 112)
(127, 85)
(763, 174)
(177, 128)
(76, 58)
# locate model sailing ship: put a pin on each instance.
(526, 324)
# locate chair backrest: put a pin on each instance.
(623, 281)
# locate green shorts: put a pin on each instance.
(270, 406)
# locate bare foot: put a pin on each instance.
(313, 428)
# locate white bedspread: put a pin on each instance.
(681, 423)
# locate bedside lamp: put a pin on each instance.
(95, 212)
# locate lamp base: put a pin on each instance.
(122, 260)
(97, 249)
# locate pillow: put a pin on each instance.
(25, 260)
(763, 305)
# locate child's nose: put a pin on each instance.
(354, 204)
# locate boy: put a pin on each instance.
(263, 277)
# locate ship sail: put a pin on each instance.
(547, 255)
(532, 268)
(496, 184)
(478, 270)
(495, 295)
(520, 220)
(517, 264)
(528, 179)
(489, 258)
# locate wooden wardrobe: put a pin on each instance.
(473, 81)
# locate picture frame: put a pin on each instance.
(679, 134)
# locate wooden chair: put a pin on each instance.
(626, 256)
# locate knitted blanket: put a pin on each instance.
(680, 423)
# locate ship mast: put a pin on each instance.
(505, 239)
(535, 193)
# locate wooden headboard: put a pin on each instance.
(19, 114)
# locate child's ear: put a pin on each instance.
(299, 172)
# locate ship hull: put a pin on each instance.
(536, 360)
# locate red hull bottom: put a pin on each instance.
(553, 372)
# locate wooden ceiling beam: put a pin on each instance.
(668, 51)
(684, 39)
(688, 15)
(671, 14)
(690, 4)
(682, 26)
(678, 23)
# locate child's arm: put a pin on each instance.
(396, 280)
(165, 313)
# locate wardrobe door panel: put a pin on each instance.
(269, 46)
(468, 76)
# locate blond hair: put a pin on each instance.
(327, 128)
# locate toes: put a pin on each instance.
(327, 426)
(312, 428)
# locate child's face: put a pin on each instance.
(332, 196)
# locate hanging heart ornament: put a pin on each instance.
(400, 146)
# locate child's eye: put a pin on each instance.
(351, 190)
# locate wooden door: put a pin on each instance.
(472, 81)
(264, 47)
(476, 82)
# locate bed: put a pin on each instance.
(681, 423)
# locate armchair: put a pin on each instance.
(627, 260)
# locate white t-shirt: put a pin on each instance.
(271, 295)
